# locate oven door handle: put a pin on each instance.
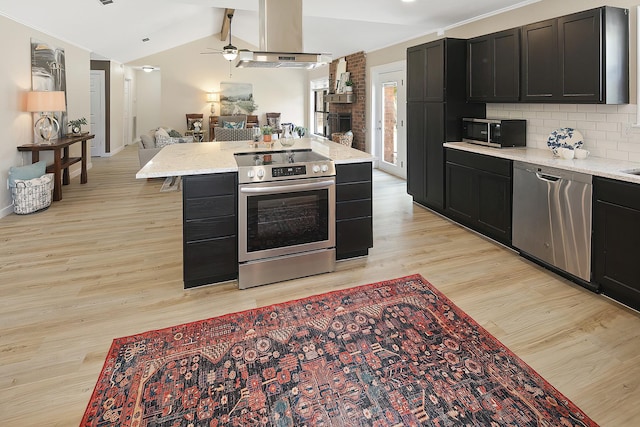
(288, 187)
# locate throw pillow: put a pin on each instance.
(162, 132)
(34, 170)
(175, 134)
(147, 141)
(163, 141)
(233, 125)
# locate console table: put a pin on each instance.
(61, 159)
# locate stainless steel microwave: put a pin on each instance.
(495, 132)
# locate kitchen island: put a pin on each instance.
(218, 219)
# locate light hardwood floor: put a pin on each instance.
(106, 262)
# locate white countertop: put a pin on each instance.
(217, 157)
(597, 166)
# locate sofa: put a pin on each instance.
(155, 140)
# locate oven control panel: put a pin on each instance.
(289, 171)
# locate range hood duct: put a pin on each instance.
(281, 39)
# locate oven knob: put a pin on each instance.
(260, 173)
(324, 168)
(251, 173)
(316, 168)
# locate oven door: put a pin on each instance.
(285, 217)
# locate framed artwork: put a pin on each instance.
(344, 77)
(236, 98)
(48, 74)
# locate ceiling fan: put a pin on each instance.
(229, 52)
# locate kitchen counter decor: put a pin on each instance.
(564, 138)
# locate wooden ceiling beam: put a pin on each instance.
(226, 24)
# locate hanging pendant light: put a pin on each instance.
(230, 52)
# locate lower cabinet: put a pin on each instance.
(210, 246)
(478, 193)
(354, 210)
(616, 233)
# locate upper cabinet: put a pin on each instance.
(494, 67)
(577, 58)
(425, 72)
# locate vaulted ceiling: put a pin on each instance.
(116, 30)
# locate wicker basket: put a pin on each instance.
(344, 138)
(32, 195)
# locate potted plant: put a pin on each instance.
(348, 86)
(267, 131)
(300, 131)
(76, 125)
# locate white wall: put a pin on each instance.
(15, 81)
(186, 76)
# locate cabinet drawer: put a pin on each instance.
(354, 235)
(209, 228)
(215, 259)
(353, 209)
(618, 192)
(353, 172)
(354, 191)
(208, 207)
(480, 161)
(209, 185)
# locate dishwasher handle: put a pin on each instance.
(548, 178)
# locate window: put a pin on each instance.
(320, 111)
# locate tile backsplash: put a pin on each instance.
(609, 130)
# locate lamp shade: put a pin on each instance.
(41, 101)
(213, 97)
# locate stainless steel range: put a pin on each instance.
(286, 216)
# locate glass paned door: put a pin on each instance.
(389, 112)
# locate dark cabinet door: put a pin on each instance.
(434, 76)
(540, 61)
(494, 67)
(616, 233)
(494, 206)
(416, 154)
(580, 55)
(434, 153)
(478, 193)
(416, 70)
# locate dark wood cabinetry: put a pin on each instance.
(616, 233)
(354, 210)
(479, 192)
(577, 58)
(436, 104)
(493, 62)
(210, 247)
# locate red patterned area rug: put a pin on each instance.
(394, 353)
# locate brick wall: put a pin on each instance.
(356, 65)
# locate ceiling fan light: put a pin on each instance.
(230, 52)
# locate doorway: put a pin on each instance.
(96, 90)
(389, 118)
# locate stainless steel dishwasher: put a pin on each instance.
(552, 217)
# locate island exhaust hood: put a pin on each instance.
(281, 39)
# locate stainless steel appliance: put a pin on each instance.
(286, 216)
(495, 132)
(552, 217)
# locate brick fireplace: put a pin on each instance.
(356, 65)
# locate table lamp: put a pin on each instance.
(213, 97)
(46, 103)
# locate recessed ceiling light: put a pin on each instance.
(146, 39)
(408, 1)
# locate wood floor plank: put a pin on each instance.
(106, 262)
